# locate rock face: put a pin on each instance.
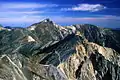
(46, 51)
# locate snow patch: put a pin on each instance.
(32, 28)
(30, 39)
(55, 25)
(72, 28)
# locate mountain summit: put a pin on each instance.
(46, 20)
(47, 51)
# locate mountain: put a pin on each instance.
(47, 51)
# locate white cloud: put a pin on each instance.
(86, 7)
(25, 5)
(20, 12)
(22, 9)
(23, 13)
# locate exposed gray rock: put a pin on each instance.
(47, 51)
(102, 36)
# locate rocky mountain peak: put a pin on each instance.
(47, 20)
(47, 51)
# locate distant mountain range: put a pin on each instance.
(47, 51)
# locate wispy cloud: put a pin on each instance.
(20, 12)
(28, 13)
(86, 7)
(23, 8)
(17, 10)
(25, 5)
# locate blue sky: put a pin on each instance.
(22, 13)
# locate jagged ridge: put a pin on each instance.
(47, 51)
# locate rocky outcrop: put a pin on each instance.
(102, 36)
(47, 51)
(10, 71)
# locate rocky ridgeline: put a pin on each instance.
(47, 51)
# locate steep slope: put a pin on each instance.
(46, 51)
(102, 36)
